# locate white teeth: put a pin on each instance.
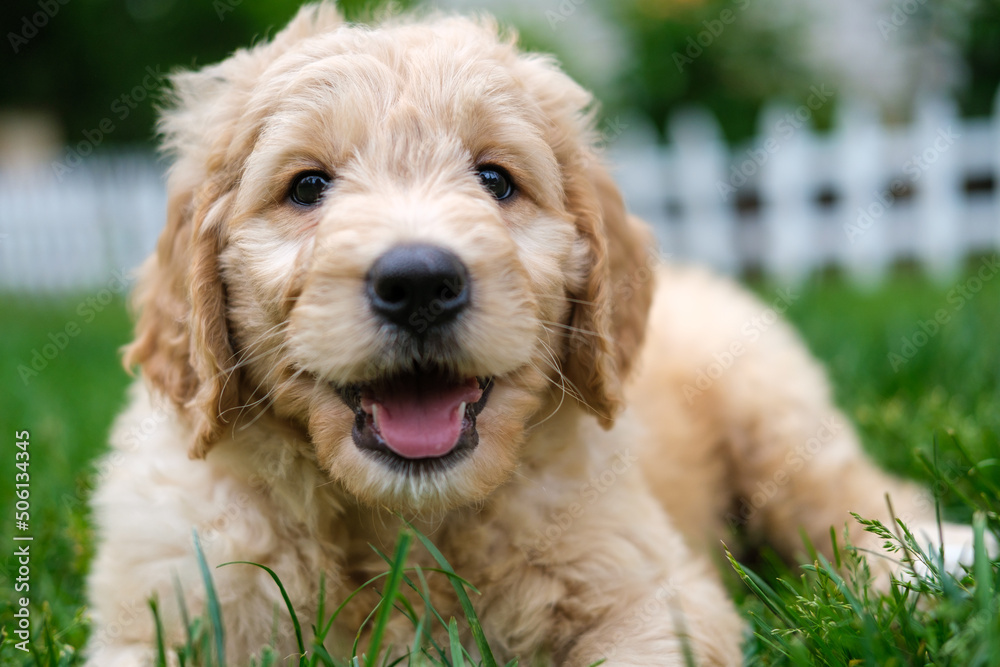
(375, 415)
(461, 410)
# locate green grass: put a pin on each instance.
(946, 394)
(67, 409)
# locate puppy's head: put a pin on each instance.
(399, 242)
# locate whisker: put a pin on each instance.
(562, 399)
(262, 338)
(565, 385)
(570, 328)
(246, 356)
(273, 391)
(280, 349)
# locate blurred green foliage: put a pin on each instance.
(90, 53)
(682, 58)
(87, 54)
(982, 57)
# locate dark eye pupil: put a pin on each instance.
(496, 181)
(308, 189)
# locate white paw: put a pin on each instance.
(957, 547)
(128, 655)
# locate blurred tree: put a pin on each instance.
(86, 61)
(981, 53)
(702, 52)
(90, 60)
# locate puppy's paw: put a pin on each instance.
(127, 655)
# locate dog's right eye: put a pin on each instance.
(308, 188)
(496, 180)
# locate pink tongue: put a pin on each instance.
(419, 422)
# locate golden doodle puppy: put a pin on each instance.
(396, 279)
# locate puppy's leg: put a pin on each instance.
(798, 463)
(603, 574)
(794, 459)
(684, 614)
(150, 499)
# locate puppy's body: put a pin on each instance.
(265, 342)
(574, 535)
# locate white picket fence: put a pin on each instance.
(860, 197)
(79, 231)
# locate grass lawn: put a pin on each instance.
(941, 387)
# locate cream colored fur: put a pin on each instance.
(590, 529)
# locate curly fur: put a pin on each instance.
(590, 511)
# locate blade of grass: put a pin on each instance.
(288, 604)
(457, 656)
(321, 606)
(388, 596)
(470, 614)
(185, 620)
(354, 593)
(212, 601)
(419, 630)
(161, 653)
(320, 653)
(761, 589)
(361, 628)
(981, 566)
(50, 644)
(423, 593)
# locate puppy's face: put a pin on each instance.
(399, 233)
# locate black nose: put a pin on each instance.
(418, 286)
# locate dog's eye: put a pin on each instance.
(496, 180)
(308, 187)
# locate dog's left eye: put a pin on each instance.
(308, 188)
(496, 180)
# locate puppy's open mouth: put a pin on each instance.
(424, 415)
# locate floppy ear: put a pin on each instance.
(182, 341)
(609, 314)
(611, 307)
